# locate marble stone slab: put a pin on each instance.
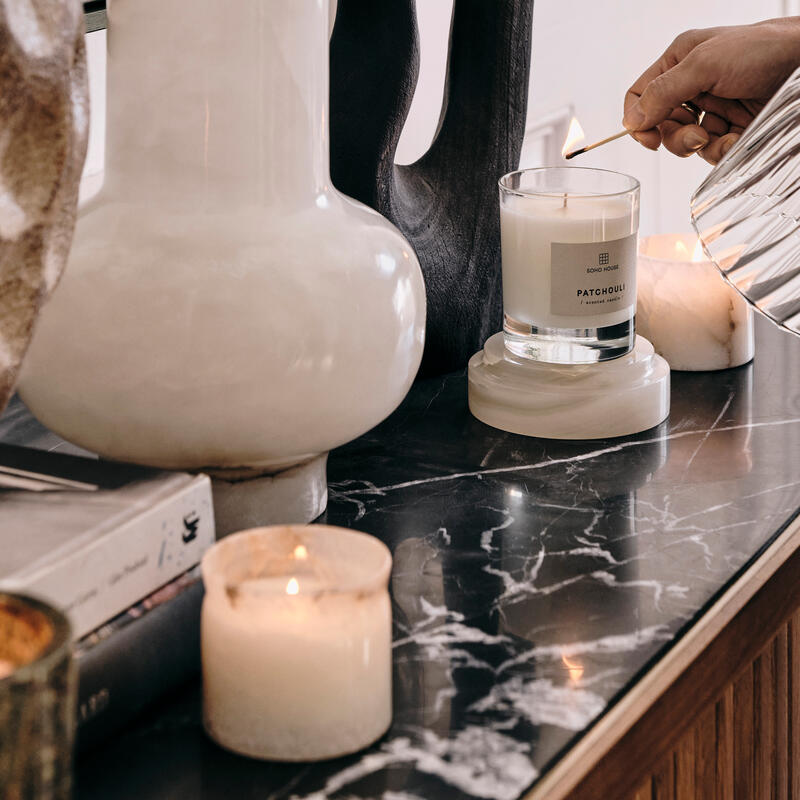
(534, 581)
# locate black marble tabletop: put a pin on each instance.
(534, 582)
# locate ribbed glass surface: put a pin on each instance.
(747, 211)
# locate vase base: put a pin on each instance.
(295, 495)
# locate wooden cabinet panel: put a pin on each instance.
(723, 768)
(782, 714)
(705, 753)
(746, 744)
(743, 734)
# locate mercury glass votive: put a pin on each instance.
(296, 642)
(692, 316)
(568, 237)
(37, 700)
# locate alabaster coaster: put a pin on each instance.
(577, 401)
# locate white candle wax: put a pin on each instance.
(693, 318)
(552, 287)
(296, 636)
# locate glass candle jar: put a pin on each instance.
(569, 239)
(296, 641)
(38, 683)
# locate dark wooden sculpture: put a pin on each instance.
(446, 204)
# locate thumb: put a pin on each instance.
(665, 93)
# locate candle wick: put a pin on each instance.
(565, 201)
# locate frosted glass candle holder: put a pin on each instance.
(296, 641)
(692, 316)
(569, 239)
(747, 210)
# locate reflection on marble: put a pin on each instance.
(533, 582)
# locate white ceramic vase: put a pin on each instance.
(224, 307)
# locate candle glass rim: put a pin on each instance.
(52, 651)
(377, 580)
(503, 183)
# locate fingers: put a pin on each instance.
(664, 93)
(650, 139)
(734, 111)
(683, 140)
(718, 147)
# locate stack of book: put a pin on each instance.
(117, 547)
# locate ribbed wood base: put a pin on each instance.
(746, 745)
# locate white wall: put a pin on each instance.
(585, 55)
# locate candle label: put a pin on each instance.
(592, 277)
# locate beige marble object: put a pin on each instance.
(294, 495)
(44, 116)
(297, 642)
(577, 401)
(693, 317)
(225, 308)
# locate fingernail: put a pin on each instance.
(634, 117)
(694, 141)
(726, 146)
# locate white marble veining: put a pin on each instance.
(543, 703)
(354, 488)
(475, 760)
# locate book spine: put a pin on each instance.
(128, 563)
(123, 674)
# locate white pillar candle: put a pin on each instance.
(693, 318)
(296, 640)
(568, 240)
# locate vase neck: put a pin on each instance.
(211, 105)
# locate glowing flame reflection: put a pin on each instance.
(682, 252)
(301, 552)
(575, 670)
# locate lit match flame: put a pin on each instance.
(575, 670)
(293, 587)
(575, 135)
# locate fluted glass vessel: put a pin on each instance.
(747, 211)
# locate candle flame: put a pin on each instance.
(293, 587)
(575, 670)
(575, 135)
(682, 252)
(300, 552)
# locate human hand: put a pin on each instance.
(729, 72)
